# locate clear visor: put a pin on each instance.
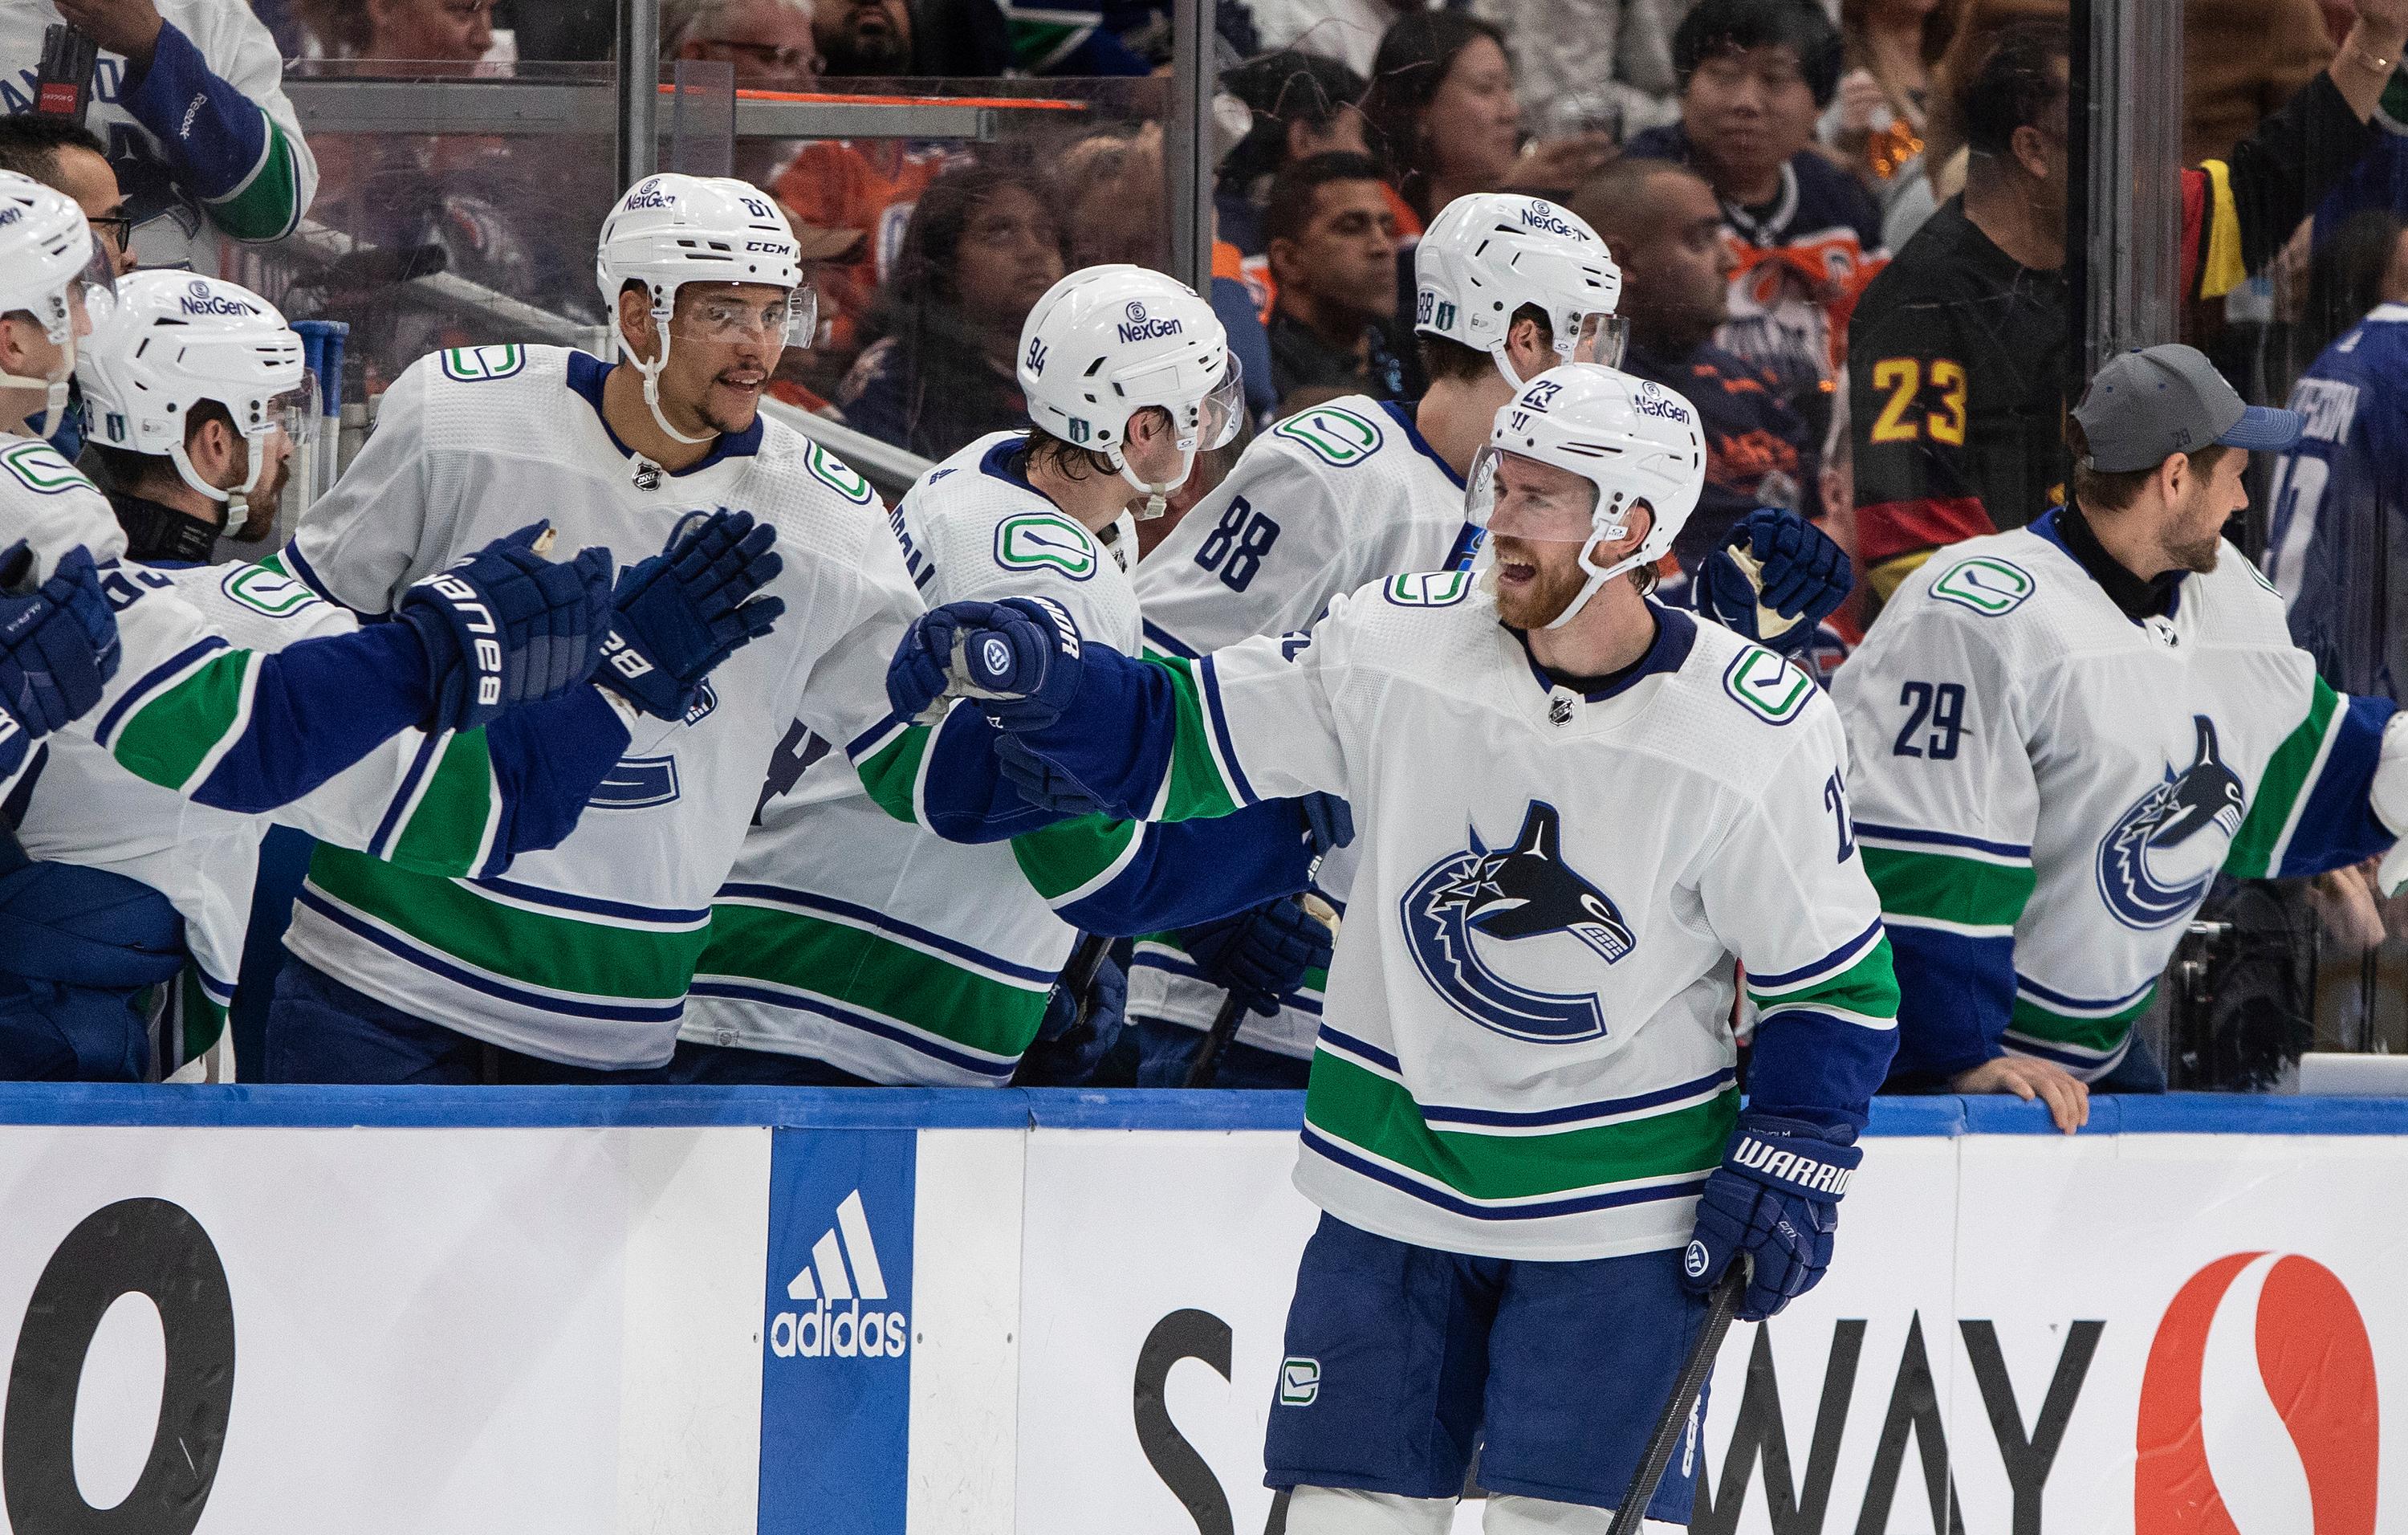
(1219, 412)
(791, 321)
(1518, 497)
(1599, 338)
(297, 410)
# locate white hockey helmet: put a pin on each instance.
(1632, 439)
(46, 252)
(1487, 255)
(1106, 342)
(671, 230)
(170, 341)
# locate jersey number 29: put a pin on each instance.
(1241, 537)
(1943, 706)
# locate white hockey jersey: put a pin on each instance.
(1328, 500)
(584, 952)
(2046, 788)
(242, 165)
(849, 937)
(1526, 1051)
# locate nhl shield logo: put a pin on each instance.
(1513, 899)
(2151, 871)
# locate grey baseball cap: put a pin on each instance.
(2145, 406)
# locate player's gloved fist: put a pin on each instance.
(1043, 782)
(1775, 1199)
(1260, 955)
(1019, 658)
(1774, 579)
(58, 642)
(1328, 820)
(681, 612)
(1078, 1031)
(506, 626)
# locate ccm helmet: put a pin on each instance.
(1487, 255)
(1632, 439)
(46, 251)
(1106, 342)
(671, 230)
(171, 340)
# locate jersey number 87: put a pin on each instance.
(1241, 537)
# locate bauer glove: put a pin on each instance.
(1019, 658)
(679, 614)
(1262, 954)
(506, 626)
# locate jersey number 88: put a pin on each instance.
(1241, 537)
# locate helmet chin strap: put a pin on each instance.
(238, 500)
(1498, 352)
(1596, 578)
(650, 373)
(54, 391)
(1156, 496)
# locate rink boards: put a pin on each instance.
(1005, 1314)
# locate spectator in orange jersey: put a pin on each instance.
(868, 189)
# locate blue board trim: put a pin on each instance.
(972, 1108)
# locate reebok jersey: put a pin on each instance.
(216, 87)
(2045, 788)
(849, 937)
(583, 954)
(1526, 1049)
(2338, 543)
(431, 803)
(1329, 499)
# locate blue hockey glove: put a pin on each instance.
(1041, 780)
(1018, 658)
(506, 626)
(681, 612)
(1329, 820)
(1078, 1031)
(1774, 579)
(1775, 1199)
(1260, 955)
(58, 643)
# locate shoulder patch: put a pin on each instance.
(1985, 584)
(1428, 588)
(1335, 437)
(837, 476)
(38, 468)
(265, 589)
(1766, 686)
(481, 364)
(1037, 540)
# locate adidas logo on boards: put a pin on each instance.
(843, 1272)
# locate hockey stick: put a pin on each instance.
(1720, 1308)
(1206, 1067)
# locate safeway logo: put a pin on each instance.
(844, 1272)
(2259, 1412)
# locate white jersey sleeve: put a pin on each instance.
(380, 527)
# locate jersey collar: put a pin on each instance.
(997, 461)
(1421, 444)
(2136, 599)
(1676, 635)
(586, 376)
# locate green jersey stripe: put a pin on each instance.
(1199, 787)
(267, 204)
(2282, 791)
(169, 739)
(561, 953)
(1061, 860)
(450, 829)
(1364, 1109)
(1947, 889)
(869, 971)
(892, 773)
(2101, 1034)
(1867, 989)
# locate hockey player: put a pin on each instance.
(1578, 807)
(1349, 492)
(2062, 733)
(228, 728)
(173, 365)
(849, 947)
(579, 961)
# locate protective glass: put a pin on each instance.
(1600, 338)
(1220, 411)
(1518, 498)
(297, 410)
(788, 321)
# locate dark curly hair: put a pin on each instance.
(1415, 55)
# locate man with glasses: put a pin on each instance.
(67, 157)
(770, 42)
(188, 96)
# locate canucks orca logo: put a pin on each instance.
(2146, 876)
(1522, 892)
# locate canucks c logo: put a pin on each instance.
(2150, 871)
(1523, 892)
